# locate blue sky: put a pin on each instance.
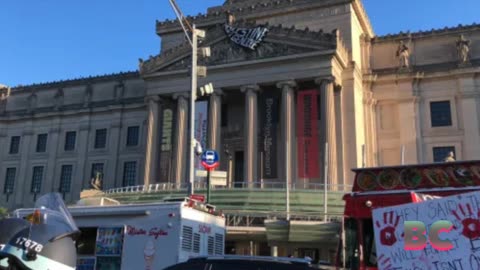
(51, 40)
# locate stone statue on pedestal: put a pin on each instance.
(403, 54)
(97, 181)
(463, 48)
(450, 157)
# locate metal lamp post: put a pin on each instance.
(195, 72)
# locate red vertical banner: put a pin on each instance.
(307, 134)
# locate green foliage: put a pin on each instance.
(3, 212)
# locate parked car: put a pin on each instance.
(235, 262)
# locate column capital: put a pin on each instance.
(148, 99)
(289, 83)
(218, 92)
(326, 79)
(250, 88)
(177, 96)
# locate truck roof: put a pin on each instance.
(419, 176)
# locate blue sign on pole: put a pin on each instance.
(210, 159)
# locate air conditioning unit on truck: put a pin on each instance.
(379, 188)
(146, 236)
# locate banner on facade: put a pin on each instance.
(269, 123)
(166, 144)
(201, 127)
(246, 37)
(307, 134)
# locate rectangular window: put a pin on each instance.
(9, 180)
(66, 178)
(100, 138)
(70, 138)
(37, 179)
(15, 145)
(441, 153)
(97, 168)
(224, 114)
(440, 112)
(129, 173)
(42, 143)
(132, 136)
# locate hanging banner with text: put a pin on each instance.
(166, 144)
(269, 122)
(393, 247)
(201, 127)
(307, 134)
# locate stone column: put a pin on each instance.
(288, 128)
(83, 169)
(214, 121)
(327, 129)
(52, 181)
(469, 97)
(408, 132)
(112, 178)
(339, 135)
(251, 132)
(152, 148)
(23, 196)
(181, 140)
(419, 105)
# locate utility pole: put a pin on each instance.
(195, 72)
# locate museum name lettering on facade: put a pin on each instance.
(245, 37)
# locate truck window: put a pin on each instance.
(370, 255)
(86, 242)
(350, 232)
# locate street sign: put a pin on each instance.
(210, 160)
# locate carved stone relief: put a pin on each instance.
(226, 52)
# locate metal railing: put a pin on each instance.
(160, 187)
(255, 219)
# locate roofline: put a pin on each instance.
(423, 190)
(427, 33)
(356, 170)
(269, 8)
(76, 81)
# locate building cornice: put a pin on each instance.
(363, 17)
(249, 10)
(433, 32)
(79, 81)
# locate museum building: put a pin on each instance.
(304, 91)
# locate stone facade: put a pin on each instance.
(373, 94)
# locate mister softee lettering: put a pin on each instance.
(416, 235)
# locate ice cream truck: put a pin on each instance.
(146, 236)
(381, 187)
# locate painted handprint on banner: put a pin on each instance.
(384, 262)
(388, 228)
(471, 223)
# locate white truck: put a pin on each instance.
(146, 236)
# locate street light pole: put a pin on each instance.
(193, 92)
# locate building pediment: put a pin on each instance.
(225, 49)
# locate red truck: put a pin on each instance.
(379, 187)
